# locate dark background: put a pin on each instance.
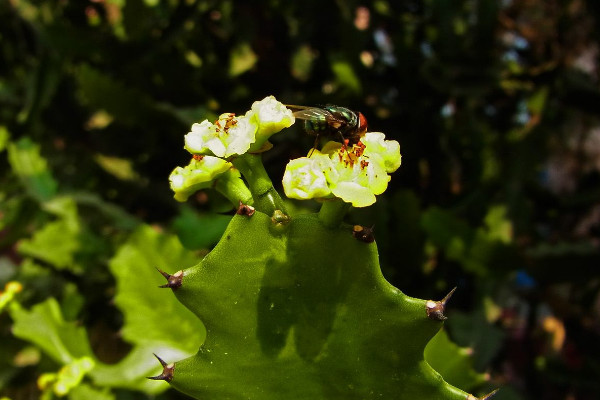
(495, 105)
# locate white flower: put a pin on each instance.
(304, 177)
(229, 135)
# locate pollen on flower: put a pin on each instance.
(351, 156)
(225, 122)
(229, 135)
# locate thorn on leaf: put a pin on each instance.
(486, 397)
(245, 209)
(173, 281)
(363, 233)
(167, 372)
(435, 309)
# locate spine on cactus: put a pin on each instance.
(295, 306)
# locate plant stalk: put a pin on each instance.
(266, 198)
(332, 212)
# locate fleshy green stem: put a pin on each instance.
(332, 212)
(235, 190)
(266, 198)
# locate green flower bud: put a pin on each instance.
(67, 378)
(10, 291)
(198, 174)
(304, 177)
(72, 374)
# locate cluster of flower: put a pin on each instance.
(214, 144)
(354, 173)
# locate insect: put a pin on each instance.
(333, 122)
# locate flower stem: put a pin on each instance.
(235, 190)
(332, 212)
(266, 198)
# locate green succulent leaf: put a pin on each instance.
(454, 363)
(302, 312)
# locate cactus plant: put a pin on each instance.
(296, 306)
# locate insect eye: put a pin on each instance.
(362, 122)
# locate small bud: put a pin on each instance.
(363, 233)
(435, 309)
(167, 373)
(245, 209)
(486, 397)
(280, 222)
(173, 281)
(10, 291)
(280, 218)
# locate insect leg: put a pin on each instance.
(314, 146)
(344, 140)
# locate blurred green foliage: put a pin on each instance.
(494, 104)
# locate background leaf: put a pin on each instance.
(44, 326)
(154, 322)
(32, 169)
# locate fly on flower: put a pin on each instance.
(332, 121)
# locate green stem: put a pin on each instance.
(332, 212)
(235, 190)
(266, 198)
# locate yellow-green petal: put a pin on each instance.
(197, 175)
(388, 150)
(200, 133)
(354, 193)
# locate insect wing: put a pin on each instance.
(333, 120)
(313, 114)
